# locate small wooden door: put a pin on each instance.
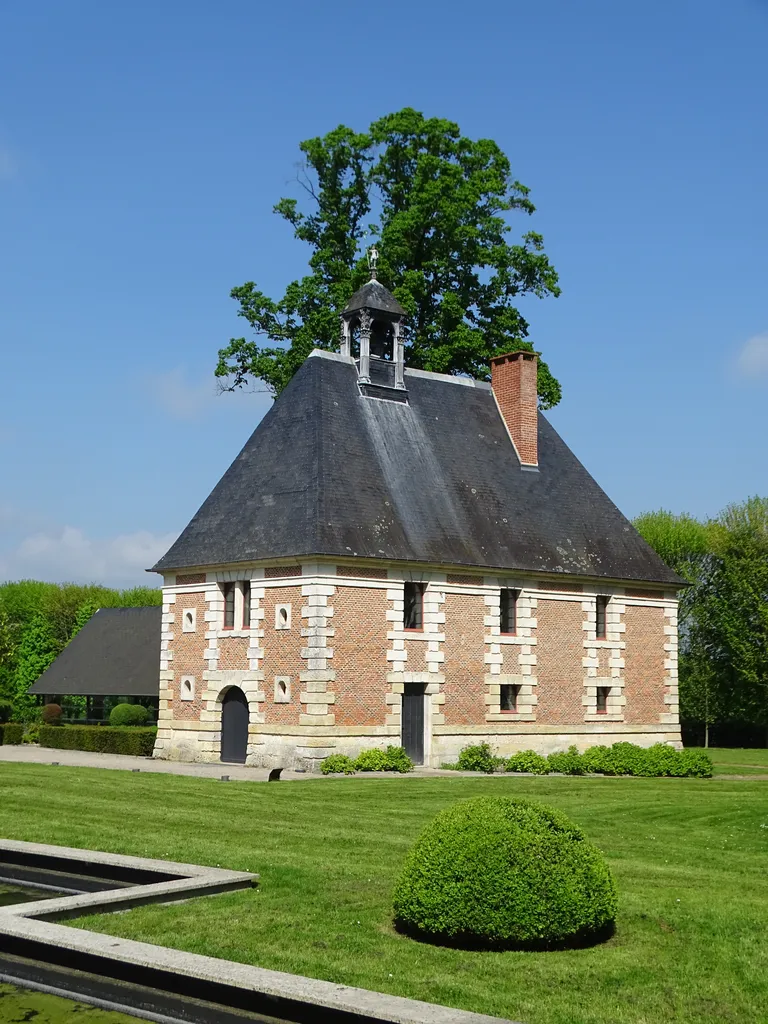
(234, 726)
(413, 721)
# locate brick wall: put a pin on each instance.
(513, 378)
(360, 656)
(644, 674)
(187, 659)
(282, 654)
(559, 650)
(233, 652)
(464, 686)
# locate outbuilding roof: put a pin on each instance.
(117, 652)
(437, 480)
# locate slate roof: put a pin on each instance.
(374, 295)
(116, 652)
(329, 472)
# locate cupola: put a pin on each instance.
(372, 327)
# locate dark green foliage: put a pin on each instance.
(478, 757)
(6, 710)
(337, 764)
(504, 873)
(38, 619)
(371, 761)
(51, 714)
(567, 762)
(598, 761)
(128, 714)
(102, 738)
(31, 732)
(527, 761)
(440, 204)
(649, 762)
(11, 733)
(398, 761)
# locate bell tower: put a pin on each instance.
(372, 329)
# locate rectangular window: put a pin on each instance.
(509, 694)
(602, 699)
(246, 604)
(228, 592)
(508, 607)
(600, 617)
(413, 606)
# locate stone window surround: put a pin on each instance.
(282, 616)
(282, 690)
(614, 704)
(526, 698)
(187, 688)
(189, 620)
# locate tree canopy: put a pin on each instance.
(724, 613)
(435, 203)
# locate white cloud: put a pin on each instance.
(753, 358)
(186, 399)
(68, 554)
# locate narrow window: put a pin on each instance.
(413, 606)
(509, 694)
(600, 617)
(228, 590)
(602, 699)
(508, 605)
(247, 604)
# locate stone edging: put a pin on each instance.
(30, 923)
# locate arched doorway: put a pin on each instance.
(234, 726)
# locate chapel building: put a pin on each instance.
(410, 558)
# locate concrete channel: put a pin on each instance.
(154, 982)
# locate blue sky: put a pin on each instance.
(143, 145)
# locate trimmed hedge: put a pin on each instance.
(128, 714)
(501, 873)
(393, 759)
(11, 733)
(104, 739)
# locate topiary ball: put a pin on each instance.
(128, 714)
(51, 714)
(499, 873)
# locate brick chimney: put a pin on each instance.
(513, 379)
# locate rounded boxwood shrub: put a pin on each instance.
(528, 761)
(51, 714)
(337, 764)
(493, 872)
(128, 714)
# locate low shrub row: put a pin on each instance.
(393, 759)
(11, 733)
(105, 739)
(620, 759)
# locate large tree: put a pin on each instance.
(436, 205)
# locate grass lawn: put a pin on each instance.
(689, 857)
(738, 761)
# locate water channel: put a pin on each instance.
(18, 1004)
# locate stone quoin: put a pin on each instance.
(404, 557)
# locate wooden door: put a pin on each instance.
(414, 699)
(234, 726)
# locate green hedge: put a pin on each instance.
(11, 733)
(128, 714)
(105, 739)
(504, 873)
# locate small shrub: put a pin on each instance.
(6, 710)
(479, 758)
(398, 760)
(104, 739)
(566, 762)
(695, 764)
(31, 733)
(11, 733)
(647, 762)
(506, 874)
(371, 761)
(337, 764)
(128, 714)
(528, 761)
(598, 761)
(51, 714)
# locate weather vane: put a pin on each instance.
(373, 258)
